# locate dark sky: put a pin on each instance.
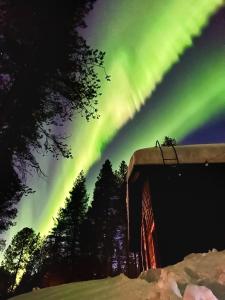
(167, 67)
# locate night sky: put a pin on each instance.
(167, 65)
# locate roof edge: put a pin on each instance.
(182, 154)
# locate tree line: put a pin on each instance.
(86, 242)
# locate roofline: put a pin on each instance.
(182, 154)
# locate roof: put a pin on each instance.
(186, 154)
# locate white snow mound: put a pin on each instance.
(199, 276)
(195, 292)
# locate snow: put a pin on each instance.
(199, 276)
(195, 292)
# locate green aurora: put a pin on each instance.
(196, 100)
(142, 44)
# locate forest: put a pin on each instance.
(88, 241)
(138, 73)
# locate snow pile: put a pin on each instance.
(197, 277)
(194, 292)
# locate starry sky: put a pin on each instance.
(166, 60)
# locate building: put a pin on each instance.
(175, 201)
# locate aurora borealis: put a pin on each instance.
(166, 60)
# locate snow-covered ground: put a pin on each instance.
(198, 277)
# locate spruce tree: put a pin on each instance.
(104, 234)
(102, 215)
(64, 239)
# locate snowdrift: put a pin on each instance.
(199, 276)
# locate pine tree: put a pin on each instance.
(32, 275)
(63, 243)
(101, 216)
(104, 234)
(72, 216)
(89, 250)
(19, 252)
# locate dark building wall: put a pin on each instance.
(187, 203)
(188, 209)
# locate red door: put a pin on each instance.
(148, 235)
